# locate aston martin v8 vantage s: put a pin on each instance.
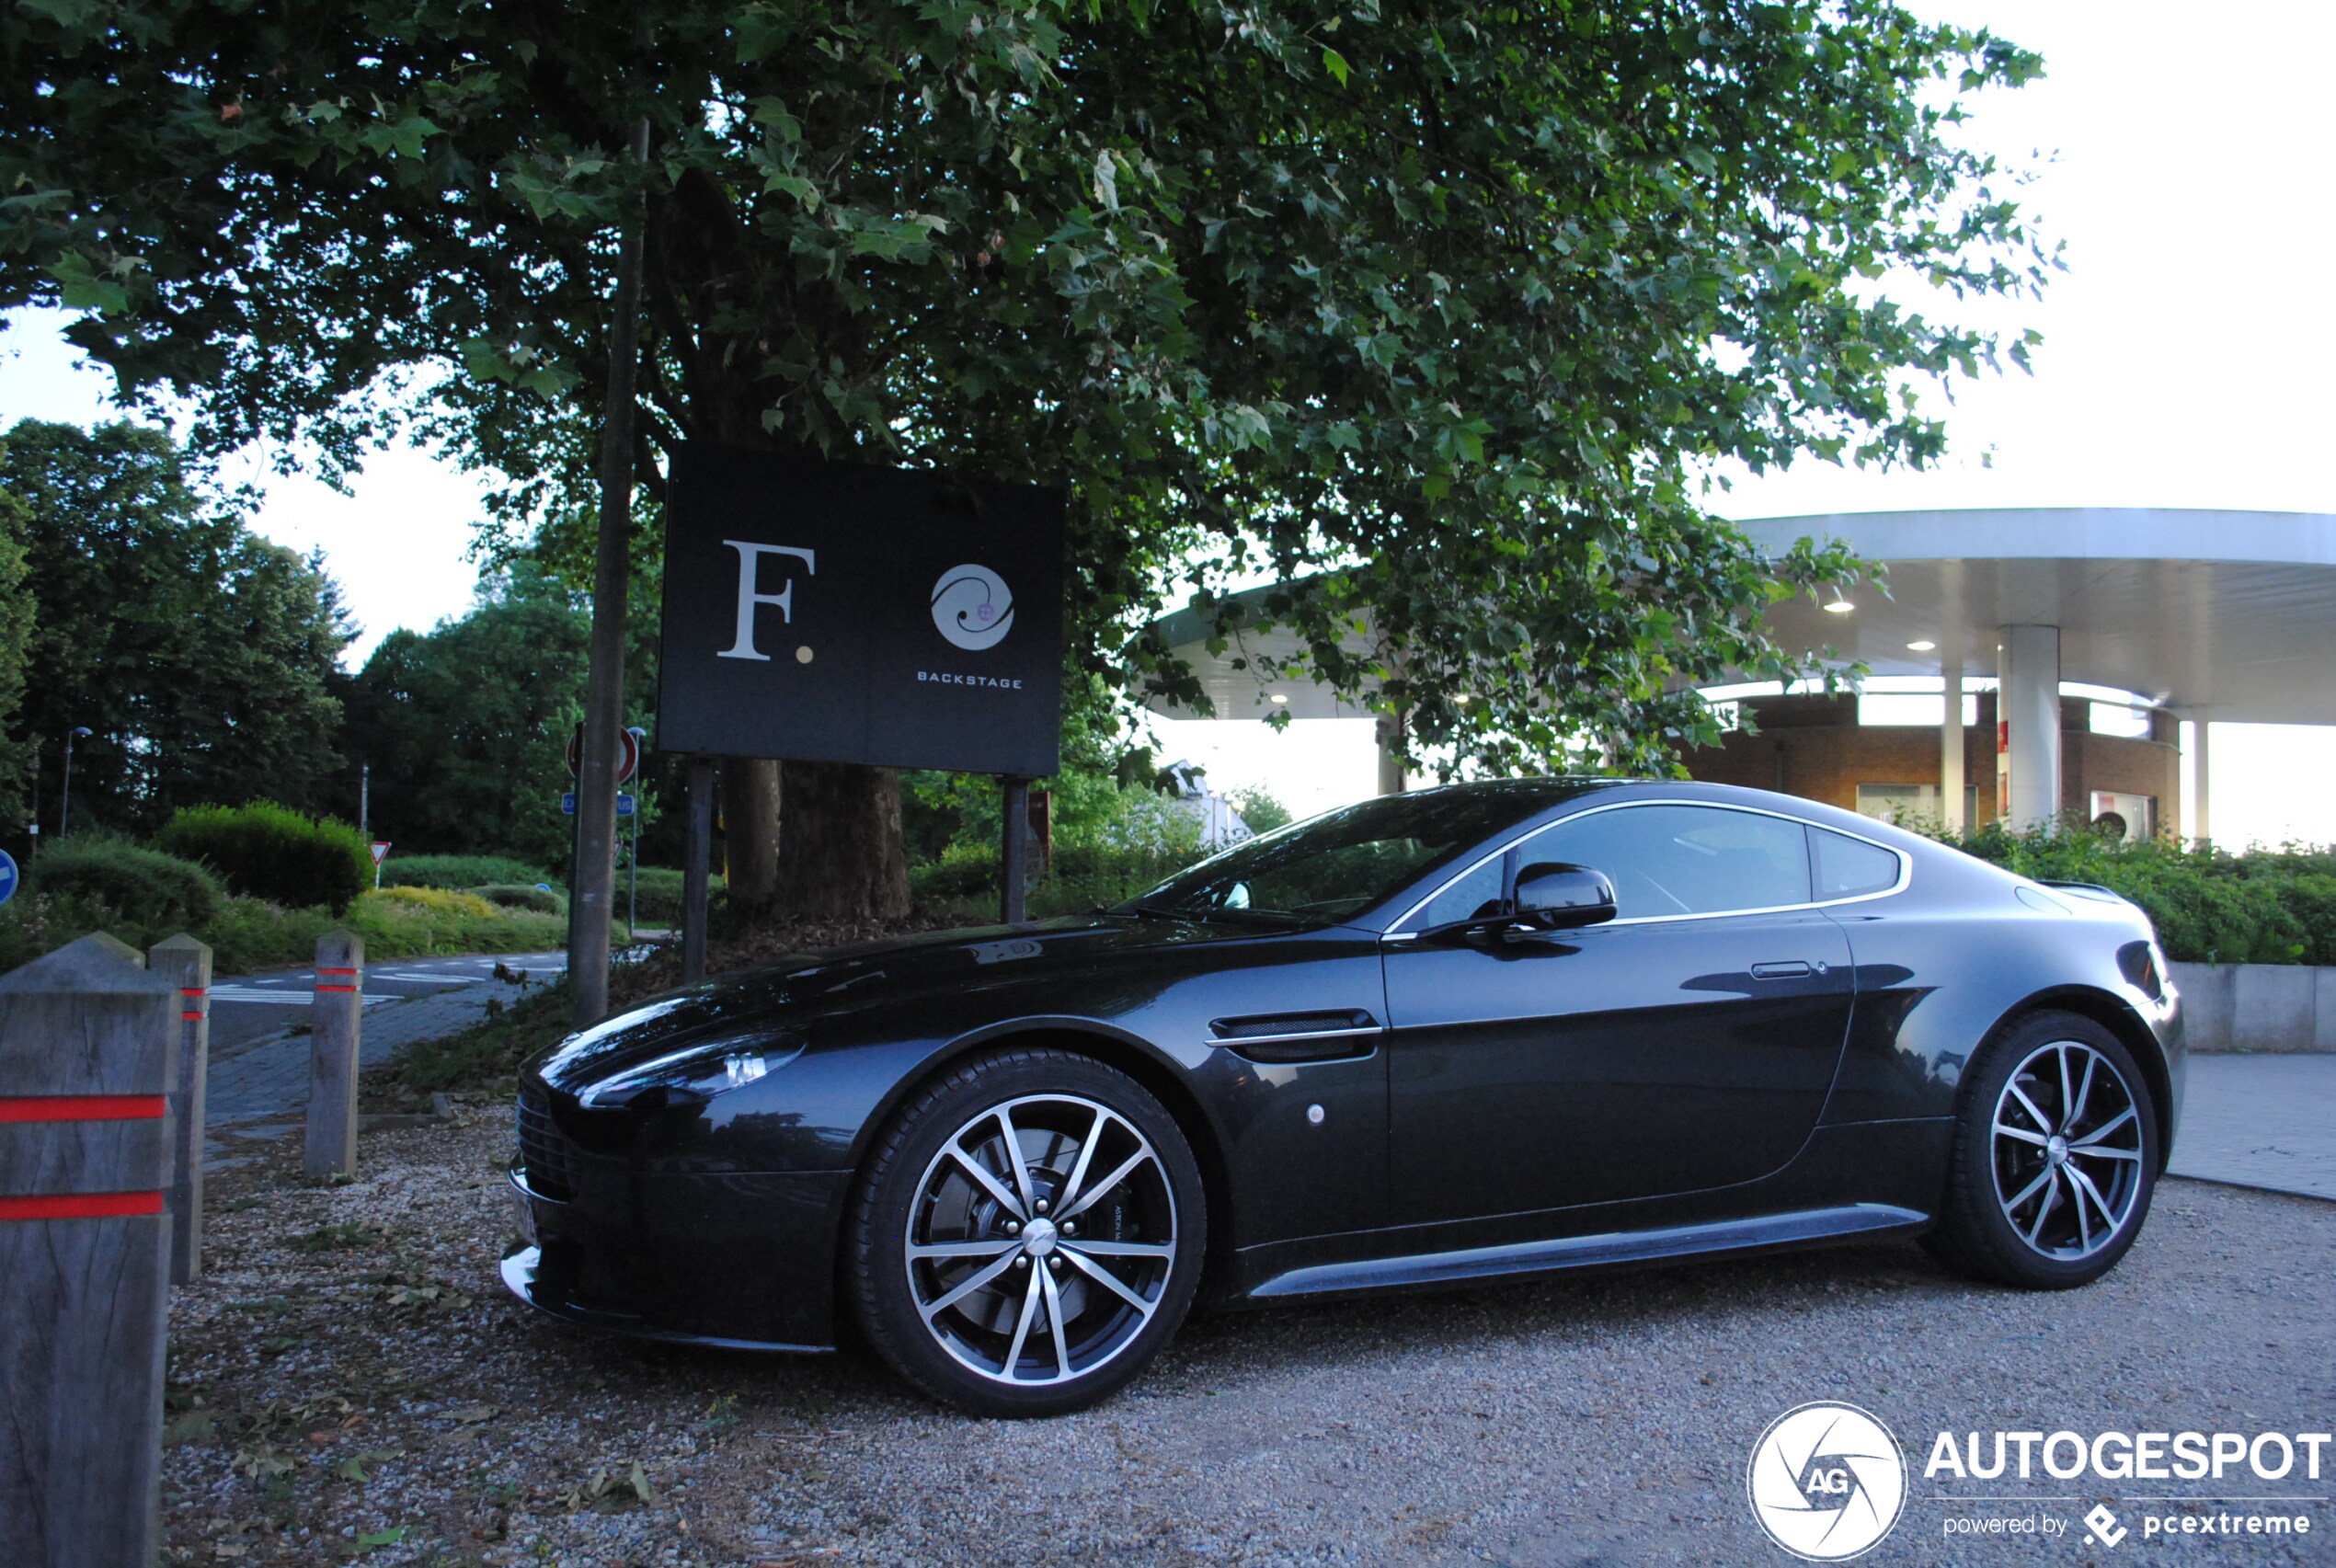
(1496, 1029)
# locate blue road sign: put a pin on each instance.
(625, 806)
(8, 879)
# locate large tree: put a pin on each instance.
(1429, 309)
(201, 655)
(467, 726)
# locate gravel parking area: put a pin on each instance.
(350, 1380)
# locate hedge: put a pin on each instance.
(142, 886)
(459, 871)
(2210, 907)
(266, 851)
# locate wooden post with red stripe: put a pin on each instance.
(185, 963)
(89, 1042)
(332, 1054)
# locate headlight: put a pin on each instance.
(695, 1075)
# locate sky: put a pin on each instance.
(2177, 152)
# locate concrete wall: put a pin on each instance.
(2258, 1007)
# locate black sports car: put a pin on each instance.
(1490, 1030)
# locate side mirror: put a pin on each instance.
(1552, 896)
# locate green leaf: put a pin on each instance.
(1335, 63)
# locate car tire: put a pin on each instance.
(2054, 1158)
(1035, 1285)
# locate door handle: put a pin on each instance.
(1790, 969)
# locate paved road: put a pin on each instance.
(2261, 1121)
(260, 1065)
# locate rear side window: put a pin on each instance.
(1685, 860)
(1847, 867)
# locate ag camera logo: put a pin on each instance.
(972, 607)
(1827, 1482)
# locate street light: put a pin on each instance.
(64, 801)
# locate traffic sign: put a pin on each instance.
(625, 804)
(9, 878)
(628, 755)
(381, 854)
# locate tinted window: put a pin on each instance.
(1478, 893)
(1685, 860)
(1847, 867)
(1330, 867)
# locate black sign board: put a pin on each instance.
(829, 613)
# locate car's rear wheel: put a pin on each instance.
(2056, 1157)
(1028, 1232)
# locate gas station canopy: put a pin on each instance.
(2231, 613)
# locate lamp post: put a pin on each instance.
(64, 800)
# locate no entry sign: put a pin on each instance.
(829, 613)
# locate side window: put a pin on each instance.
(1685, 860)
(1847, 867)
(1472, 895)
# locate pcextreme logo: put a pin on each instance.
(1827, 1482)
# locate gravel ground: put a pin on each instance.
(349, 1380)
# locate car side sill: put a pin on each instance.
(1584, 1252)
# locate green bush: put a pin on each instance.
(247, 934)
(521, 896)
(266, 851)
(2209, 907)
(458, 871)
(964, 881)
(144, 886)
(660, 894)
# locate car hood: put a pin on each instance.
(778, 998)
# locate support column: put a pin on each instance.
(1950, 750)
(2202, 821)
(2028, 724)
(1390, 753)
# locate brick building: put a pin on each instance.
(1816, 747)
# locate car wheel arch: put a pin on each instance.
(1112, 1047)
(2119, 1018)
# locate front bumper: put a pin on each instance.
(742, 1261)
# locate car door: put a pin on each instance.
(1688, 1043)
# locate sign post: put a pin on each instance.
(381, 854)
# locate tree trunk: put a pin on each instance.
(842, 857)
(750, 834)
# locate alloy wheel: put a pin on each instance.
(1041, 1240)
(2067, 1150)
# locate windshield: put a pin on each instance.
(1329, 867)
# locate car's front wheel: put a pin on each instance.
(1028, 1232)
(2056, 1157)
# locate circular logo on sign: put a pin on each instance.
(1827, 1482)
(972, 607)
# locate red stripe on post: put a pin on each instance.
(337, 971)
(80, 1205)
(336, 988)
(190, 990)
(191, 1017)
(83, 1107)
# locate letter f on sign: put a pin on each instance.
(749, 562)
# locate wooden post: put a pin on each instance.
(337, 1005)
(87, 1040)
(185, 963)
(1016, 849)
(697, 870)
